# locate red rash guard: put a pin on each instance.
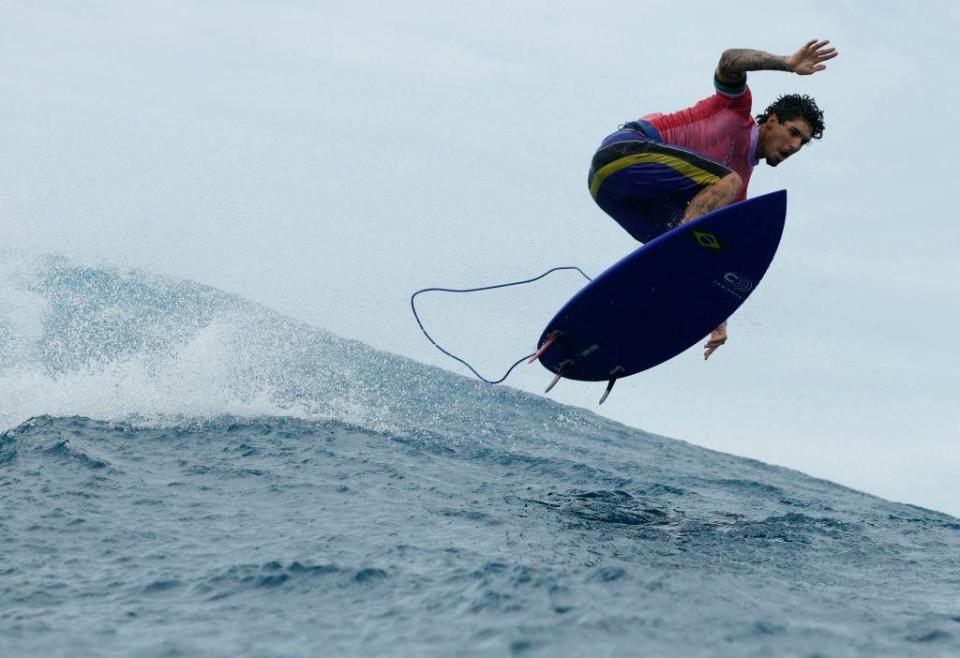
(719, 127)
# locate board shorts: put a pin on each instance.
(644, 184)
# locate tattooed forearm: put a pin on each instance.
(708, 200)
(737, 61)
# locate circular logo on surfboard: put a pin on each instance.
(738, 282)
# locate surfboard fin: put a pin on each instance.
(552, 337)
(553, 383)
(563, 364)
(607, 392)
(614, 374)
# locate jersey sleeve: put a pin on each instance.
(737, 97)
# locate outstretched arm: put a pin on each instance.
(735, 63)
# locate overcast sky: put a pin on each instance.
(327, 159)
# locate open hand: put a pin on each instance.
(717, 338)
(810, 59)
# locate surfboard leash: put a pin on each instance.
(531, 357)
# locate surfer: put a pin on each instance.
(664, 170)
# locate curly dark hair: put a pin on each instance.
(795, 106)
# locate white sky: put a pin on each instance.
(327, 160)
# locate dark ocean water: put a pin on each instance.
(184, 473)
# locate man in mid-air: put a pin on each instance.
(664, 170)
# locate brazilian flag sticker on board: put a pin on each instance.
(707, 240)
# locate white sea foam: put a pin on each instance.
(112, 345)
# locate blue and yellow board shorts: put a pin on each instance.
(644, 184)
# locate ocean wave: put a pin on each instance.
(338, 531)
(176, 457)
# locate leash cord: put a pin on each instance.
(413, 307)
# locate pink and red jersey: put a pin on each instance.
(720, 128)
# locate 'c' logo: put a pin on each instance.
(707, 240)
(738, 282)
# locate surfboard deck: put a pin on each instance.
(667, 295)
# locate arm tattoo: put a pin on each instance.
(737, 61)
(708, 200)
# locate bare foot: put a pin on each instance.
(717, 338)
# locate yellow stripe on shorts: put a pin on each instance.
(695, 173)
